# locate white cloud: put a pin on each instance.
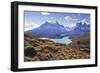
(51, 21)
(75, 19)
(68, 18)
(75, 16)
(45, 13)
(30, 26)
(84, 20)
(72, 25)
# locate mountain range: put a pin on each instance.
(56, 30)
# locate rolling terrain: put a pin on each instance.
(45, 50)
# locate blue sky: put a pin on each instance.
(37, 18)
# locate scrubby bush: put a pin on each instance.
(30, 51)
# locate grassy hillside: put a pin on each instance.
(43, 50)
(82, 42)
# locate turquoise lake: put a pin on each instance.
(64, 40)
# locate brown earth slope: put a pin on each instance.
(43, 50)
